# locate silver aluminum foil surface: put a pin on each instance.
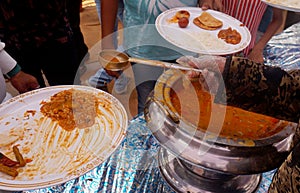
(283, 50)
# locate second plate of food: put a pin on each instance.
(290, 5)
(206, 32)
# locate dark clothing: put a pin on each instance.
(263, 89)
(44, 35)
(272, 91)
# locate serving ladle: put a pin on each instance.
(115, 61)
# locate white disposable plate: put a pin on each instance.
(57, 155)
(290, 5)
(198, 40)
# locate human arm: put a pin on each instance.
(256, 53)
(21, 81)
(287, 175)
(263, 89)
(109, 10)
(211, 4)
(24, 82)
(286, 178)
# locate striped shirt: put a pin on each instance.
(249, 12)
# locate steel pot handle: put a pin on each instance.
(168, 114)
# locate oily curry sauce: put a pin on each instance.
(71, 108)
(230, 36)
(238, 123)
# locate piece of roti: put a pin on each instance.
(201, 25)
(210, 21)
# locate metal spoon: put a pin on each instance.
(116, 61)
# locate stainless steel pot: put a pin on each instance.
(214, 156)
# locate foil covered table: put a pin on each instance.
(134, 168)
(283, 50)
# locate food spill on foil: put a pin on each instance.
(49, 145)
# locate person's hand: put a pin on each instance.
(212, 4)
(24, 82)
(212, 67)
(256, 55)
(209, 62)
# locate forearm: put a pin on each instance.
(109, 10)
(209, 2)
(263, 89)
(271, 30)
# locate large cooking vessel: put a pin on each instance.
(192, 157)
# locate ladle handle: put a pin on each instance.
(162, 64)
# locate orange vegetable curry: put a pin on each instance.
(238, 123)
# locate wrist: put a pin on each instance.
(13, 72)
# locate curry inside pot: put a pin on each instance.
(184, 119)
(196, 106)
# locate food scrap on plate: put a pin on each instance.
(178, 15)
(9, 166)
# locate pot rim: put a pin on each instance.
(162, 95)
